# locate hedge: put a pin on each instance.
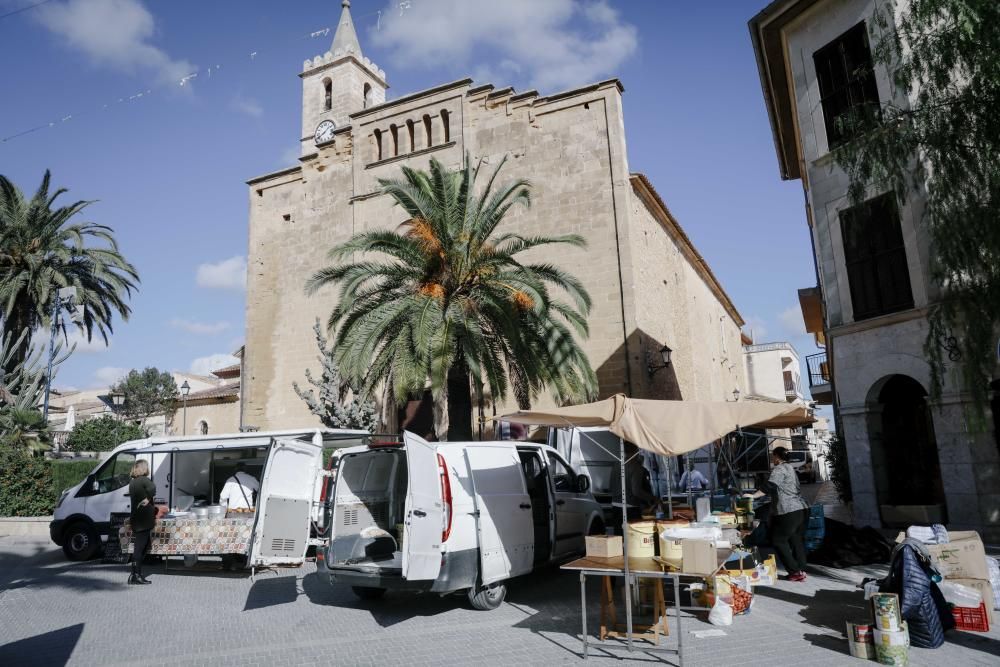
(66, 474)
(25, 484)
(30, 485)
(102, 434)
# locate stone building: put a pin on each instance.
(913, 459)
(649, 285)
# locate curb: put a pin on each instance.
(24, 525)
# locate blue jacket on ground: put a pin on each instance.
(921, 603)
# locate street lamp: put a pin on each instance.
(185, 390)
(117, 401)
(63, 296)
(665, 353)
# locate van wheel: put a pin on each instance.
(597, 528)
(80, 542)
(368, 592)
(487, 598)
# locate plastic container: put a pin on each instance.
(971, 619)
(670, 549)
(641, 539)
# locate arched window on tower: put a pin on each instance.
(203, 427)
(394, 132)
(368, 95)
(378, 144)
(411, 135)
(445, 123)
(428, 132)
(327, 94)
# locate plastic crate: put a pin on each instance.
(971, 619)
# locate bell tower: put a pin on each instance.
(338, 83)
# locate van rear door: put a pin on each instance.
(284, 505)
(503, 511)
(424, 510)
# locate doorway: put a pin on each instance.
(905, 452)
(537, 483)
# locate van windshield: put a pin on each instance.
(797, 457)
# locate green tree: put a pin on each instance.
(147, 392)
(449, 298)
(42, 250)
(102, 434)
(939, 136)
(338, 404)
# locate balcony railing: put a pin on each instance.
(819, 369)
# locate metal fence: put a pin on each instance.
(819, 369)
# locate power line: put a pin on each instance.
(24, 9)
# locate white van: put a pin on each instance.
(435, 516)
(184, 469)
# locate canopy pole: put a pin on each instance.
(625, 555)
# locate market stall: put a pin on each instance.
(669, 428)
(189, 535)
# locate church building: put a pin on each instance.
(651, 289)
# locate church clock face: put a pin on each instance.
(324, 132)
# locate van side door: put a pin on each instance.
(570, 506)
(284, 503)
(506, 534)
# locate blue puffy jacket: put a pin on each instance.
(921, 603)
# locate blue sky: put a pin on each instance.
(169, 167)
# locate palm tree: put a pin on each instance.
(450, 301)
(40, 252)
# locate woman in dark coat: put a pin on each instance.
(141, 491)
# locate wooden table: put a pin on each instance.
(639, 568)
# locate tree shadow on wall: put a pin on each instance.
(637, 379)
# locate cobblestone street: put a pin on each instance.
(54, 612)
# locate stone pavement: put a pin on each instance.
(53, 612)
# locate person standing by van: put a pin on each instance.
(789, 515)
(141, 491)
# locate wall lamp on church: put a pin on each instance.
(665, 353)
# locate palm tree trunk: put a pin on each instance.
(459, 402)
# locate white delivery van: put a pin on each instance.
(185, 470)
(435, 516)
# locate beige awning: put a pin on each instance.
(667, 427)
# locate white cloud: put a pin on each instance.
(205, 365)
(106, 376)
(248, 106)
(756, 328)
(228, 274)
(199, 328)
(554, 44)
(791, 320)
(113, 33)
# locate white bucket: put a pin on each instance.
(670, 549)
(641, 539)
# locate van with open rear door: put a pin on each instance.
(444, 517)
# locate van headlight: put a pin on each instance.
(62, 497)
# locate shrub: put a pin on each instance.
(102, 434)
(840, 468)
(66, 474)
(25, 484)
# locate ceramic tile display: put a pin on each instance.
(179, 537)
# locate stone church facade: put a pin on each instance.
(649, 285)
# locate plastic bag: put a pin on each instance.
(993, 566)
(721, 614)
(959, 595)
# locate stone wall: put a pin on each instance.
(221, 417)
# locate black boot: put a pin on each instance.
(133, 578)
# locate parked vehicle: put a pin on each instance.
(804, 464)
(443, 517)
(185, 470)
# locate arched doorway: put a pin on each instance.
(904, 452)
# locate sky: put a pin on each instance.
(166, 163)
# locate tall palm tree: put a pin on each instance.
(451, 301)
(41, 250)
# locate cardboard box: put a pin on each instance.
(604, 546)
(984, 589)
(699, 557)
(964, 557)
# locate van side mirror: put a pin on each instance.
(94, 485)
(582, 484)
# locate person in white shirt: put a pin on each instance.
(693, 480)
(238, 491)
